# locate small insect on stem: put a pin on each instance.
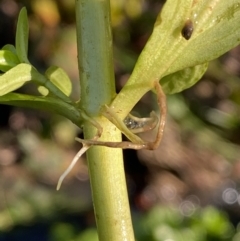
(187, 29)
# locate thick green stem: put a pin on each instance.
(105, 165)
(109, 191)
(95, 56)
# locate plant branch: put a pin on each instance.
(105, 165)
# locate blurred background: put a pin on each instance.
(187, 189)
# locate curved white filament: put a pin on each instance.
(74, 161)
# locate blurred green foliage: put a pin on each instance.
(164, 223)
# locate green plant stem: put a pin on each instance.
(95, 56)
(105, 165)
(128, 97)
(109, 190)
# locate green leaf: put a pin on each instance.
(7, 60)
(22, 73)
(15, 78)
(216, 31)
(42, 90)
(59, 78)
(45, 103)
(212, 28)
(22, 36)
(10, 48)
(183, 79)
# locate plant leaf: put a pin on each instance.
(7, 60)
(44, 103)
(59, 78)
(15, 78)
(43, 90)
(216, 31)
(183, 79)
(22, 36)
(22, 73)
(10, 48)
(212, 28)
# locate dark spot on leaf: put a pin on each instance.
(187, 30)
